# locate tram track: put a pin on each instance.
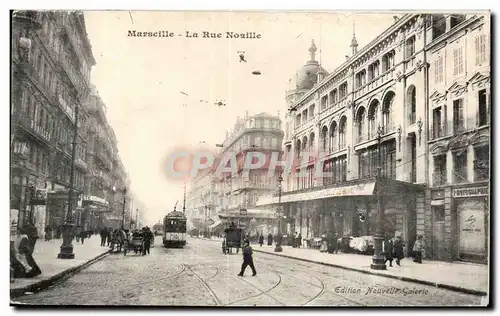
(32, 297)
(205, 284)
(315, 273)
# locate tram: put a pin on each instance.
(174, 230)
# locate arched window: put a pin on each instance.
(386, 112)
(360, 122)
(342, 132)
(410, 46)
(373, 120)
(312, 110)
(324, 138)
(298, 148)
(333, 137)
(311, 143)
(412, 104)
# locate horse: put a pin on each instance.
(118, 238)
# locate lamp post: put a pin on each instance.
(136, 218)
(124, 203)
(67, 245)
(378, 260)
(278, 239)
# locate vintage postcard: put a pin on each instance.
(183, 158)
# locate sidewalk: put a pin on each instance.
(53, 269)
(463, 277)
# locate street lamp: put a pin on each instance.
(278, 239)
(378, 260)
(124, 203)
(67, 245)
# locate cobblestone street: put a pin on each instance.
(200, 274)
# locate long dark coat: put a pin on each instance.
(398, 249)
(389, 249)
(270, 240)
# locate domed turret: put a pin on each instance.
(307, 77)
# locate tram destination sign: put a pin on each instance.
(467, 192)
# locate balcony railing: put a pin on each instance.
(82, 164)
(439, 177)
(460, 175)
(21, 149)
(35, 128)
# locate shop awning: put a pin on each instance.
(250, 213)
(361, 189)
(214, 225)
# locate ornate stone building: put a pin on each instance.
(422, 89)
(51, 68)
(219, 198)
(51, 65)
(457, 217)
(339, 120)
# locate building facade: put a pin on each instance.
(459, 134)
(215, 199)
(238, 194)
(51, 64)
(377, 103)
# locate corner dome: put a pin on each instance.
(307, 76)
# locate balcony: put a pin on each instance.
(21, 150)
(460, 175)
(81, 164)
(66, 108)
(34, 128)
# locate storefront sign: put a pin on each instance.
(40, 197)
(467, 192)
(363, 189)
(472, 239)
(90, 199)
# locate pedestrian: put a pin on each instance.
(398, 250)
(261, 240)
(324, 243)
(146, 233)
(418, 249)
(247, 259)
(270, 239)
(83, 234)
(32, 233)
(103, 237)
(48, 233)
(22, 261)
(388, 250)
(299, 240)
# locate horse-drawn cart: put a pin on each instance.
(232, 239)
(135, 244)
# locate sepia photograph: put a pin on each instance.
(250, 158)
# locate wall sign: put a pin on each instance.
(467, 192)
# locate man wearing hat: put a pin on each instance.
(247, 259)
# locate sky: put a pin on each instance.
(141, 79)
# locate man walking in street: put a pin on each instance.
(247, 259)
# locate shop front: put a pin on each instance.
(92, 207)
(471, 207)
(459, 227)
(350, 210)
